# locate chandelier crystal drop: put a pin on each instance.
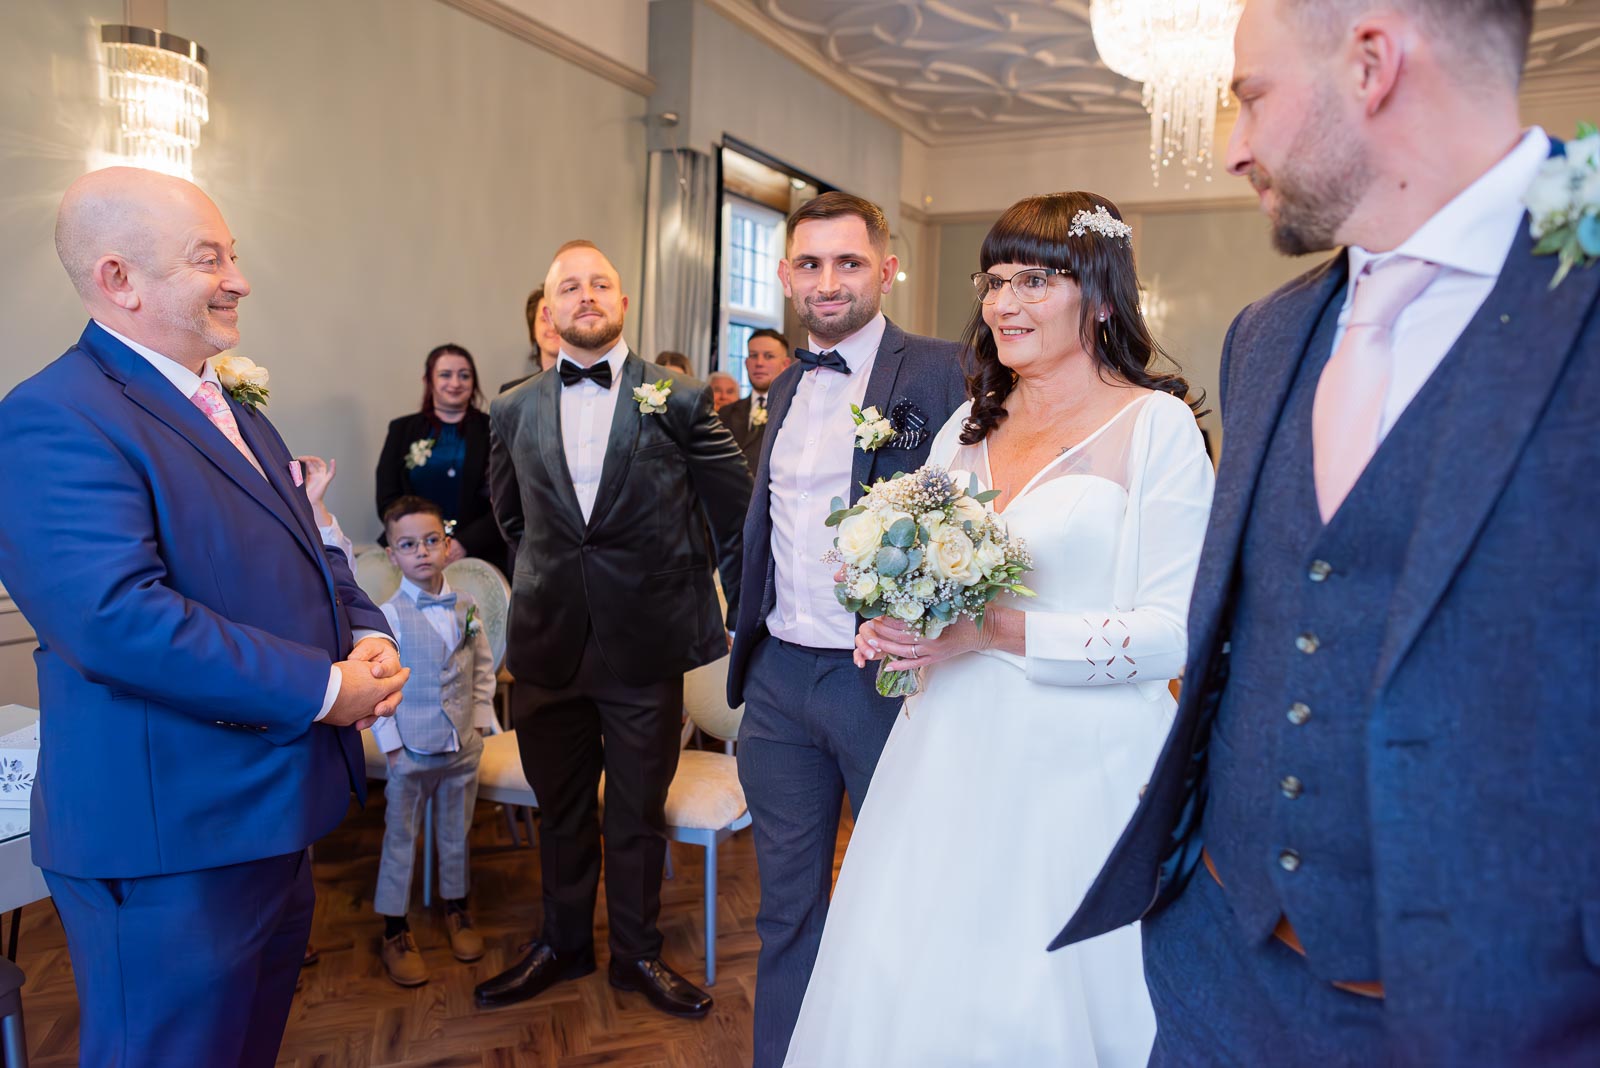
(1182, 50)
(158, 83)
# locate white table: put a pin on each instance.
(20, 882)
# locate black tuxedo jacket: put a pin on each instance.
(923, 371)
(638, 572)
(737, 416)
(475, 528)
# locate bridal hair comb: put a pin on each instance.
(1101, 222)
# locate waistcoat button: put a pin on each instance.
(1307, 643)
(1299, 713)
(1289, 860)
(1320, 570)
(1291, 786)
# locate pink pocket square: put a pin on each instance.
(295, 473)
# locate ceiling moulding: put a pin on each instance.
(753, 22)
(557, 44)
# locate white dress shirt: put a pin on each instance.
(810, 465)
(188, 383)
(586, 414)
(1470, 237)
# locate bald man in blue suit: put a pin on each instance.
(204, 663)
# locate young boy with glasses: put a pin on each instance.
(432, 742)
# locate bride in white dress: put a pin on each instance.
(1008, 779)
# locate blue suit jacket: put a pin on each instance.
(1483, 745)
(187, 616)
(923, 370)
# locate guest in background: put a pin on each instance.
(434, 744)
(442, 453)
(675, 360)
(724, 389)
(768, 357)
(542, 336)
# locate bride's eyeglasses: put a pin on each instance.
(1031, 286)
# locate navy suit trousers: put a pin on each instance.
(814, 726)
(196, 968)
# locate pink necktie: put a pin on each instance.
(1348, 410)
(208, 398)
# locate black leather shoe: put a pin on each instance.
(531, 976)
(666, 989)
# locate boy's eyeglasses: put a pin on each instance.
(407, 546)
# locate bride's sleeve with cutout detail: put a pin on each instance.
(1144, 640)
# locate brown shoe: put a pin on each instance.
(403, 960)
(465, 943)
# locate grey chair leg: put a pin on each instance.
(13, 1043)
(667, 867)
(427, 855)
(711, 912)
(512, 815)
(533, 828)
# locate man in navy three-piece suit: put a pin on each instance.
(204, 663)
(1374, 834)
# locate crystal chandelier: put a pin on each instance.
(158, 82)
(1182, 50)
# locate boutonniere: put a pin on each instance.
(418, 453)
(653, 398)
(244, 379)
(873, 431)
(758, 418)
(1564, 202)
(472, 626)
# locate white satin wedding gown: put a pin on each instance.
(1008, 779)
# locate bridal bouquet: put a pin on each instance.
(922, 549)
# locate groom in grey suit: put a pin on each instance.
(814, 723)
(1374, 834)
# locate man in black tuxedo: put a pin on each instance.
(609, 486)
(814, 724)
(768, 357)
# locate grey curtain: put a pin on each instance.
(680, 255)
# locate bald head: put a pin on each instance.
(152, 258)
(584, 300)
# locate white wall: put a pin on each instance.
(397, 174)
(618, 29)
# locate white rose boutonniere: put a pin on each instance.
(872, 430)
(418, 453)
(758, 418)
(473, 626)
(653, 398)
(1564, 202)
(244, 379)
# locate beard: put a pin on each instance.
(1326, 173)
(839, 326)
(592, 338)
(197, 322)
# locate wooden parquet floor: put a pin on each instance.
(349, 1015)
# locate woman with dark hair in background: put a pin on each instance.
(1012, 773)
(542, 336)
(442, 453)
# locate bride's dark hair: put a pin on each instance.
(1035, 232)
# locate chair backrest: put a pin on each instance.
(377, 577)
(488, 587)
(705, 699)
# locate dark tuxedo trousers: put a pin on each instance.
(608, 611)
(814, 723)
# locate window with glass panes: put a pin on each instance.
(752, 240)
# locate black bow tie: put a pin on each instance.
(572, 374)
(830, 359)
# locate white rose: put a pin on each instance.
(1584, 152)
(910, 611)
(950, 555)
(1550, 195)
(231, 369)
(870, 415)
(860, 537)
(864, 585)
(893, 515)
(255, 375)
(988, 557)
(968, 510)
(924, 588)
